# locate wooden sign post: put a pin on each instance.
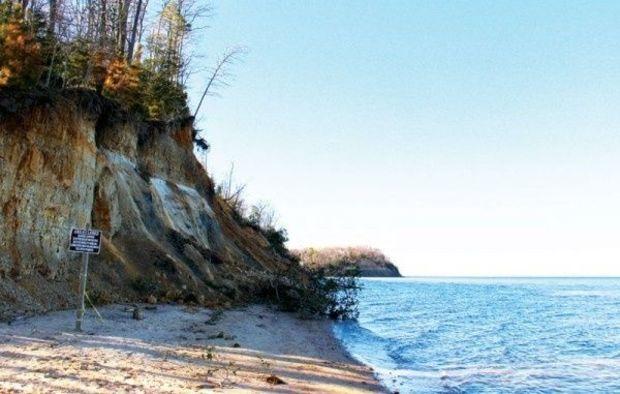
(87, 242)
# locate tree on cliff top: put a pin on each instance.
(123, 49)
(341, 259)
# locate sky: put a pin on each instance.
(473, 138)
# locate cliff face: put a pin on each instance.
(66, 164)
(368, 262)
(372, 268)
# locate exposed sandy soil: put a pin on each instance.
(174, 349)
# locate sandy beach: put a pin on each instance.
(177, 349)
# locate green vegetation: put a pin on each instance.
(261, 216)
(108, 49)
(333, 296)
(21, 41)
(100, 45)
(311, 291)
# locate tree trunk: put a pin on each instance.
(103, 22)
(123, 14)
(53, 4)
(134, 31)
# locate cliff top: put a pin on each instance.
(337, 260)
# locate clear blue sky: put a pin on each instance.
(461, 137)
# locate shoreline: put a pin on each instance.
(179, 349)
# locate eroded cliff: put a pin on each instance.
(362, 261)
(76, 161)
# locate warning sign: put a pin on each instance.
(85, 241)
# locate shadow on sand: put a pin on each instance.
(174, 350)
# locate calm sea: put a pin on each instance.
(496, 335)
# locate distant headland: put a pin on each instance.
(369, 262)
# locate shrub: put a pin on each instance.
(335, 297)
(306, 290)
(164, 99)
(321, 295)
(277, 239)
(79, 62)
(20, 59)
(97, 70)
(122, 83)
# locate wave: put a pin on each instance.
(434, 337)
(584, 375)
(365, 345)
(587, 293)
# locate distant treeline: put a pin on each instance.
(364, 261)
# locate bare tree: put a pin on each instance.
(263, 216)
(53, 16)
(231, 192)
(220, 73)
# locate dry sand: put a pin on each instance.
(174, 349)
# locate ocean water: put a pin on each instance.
(466, 335)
